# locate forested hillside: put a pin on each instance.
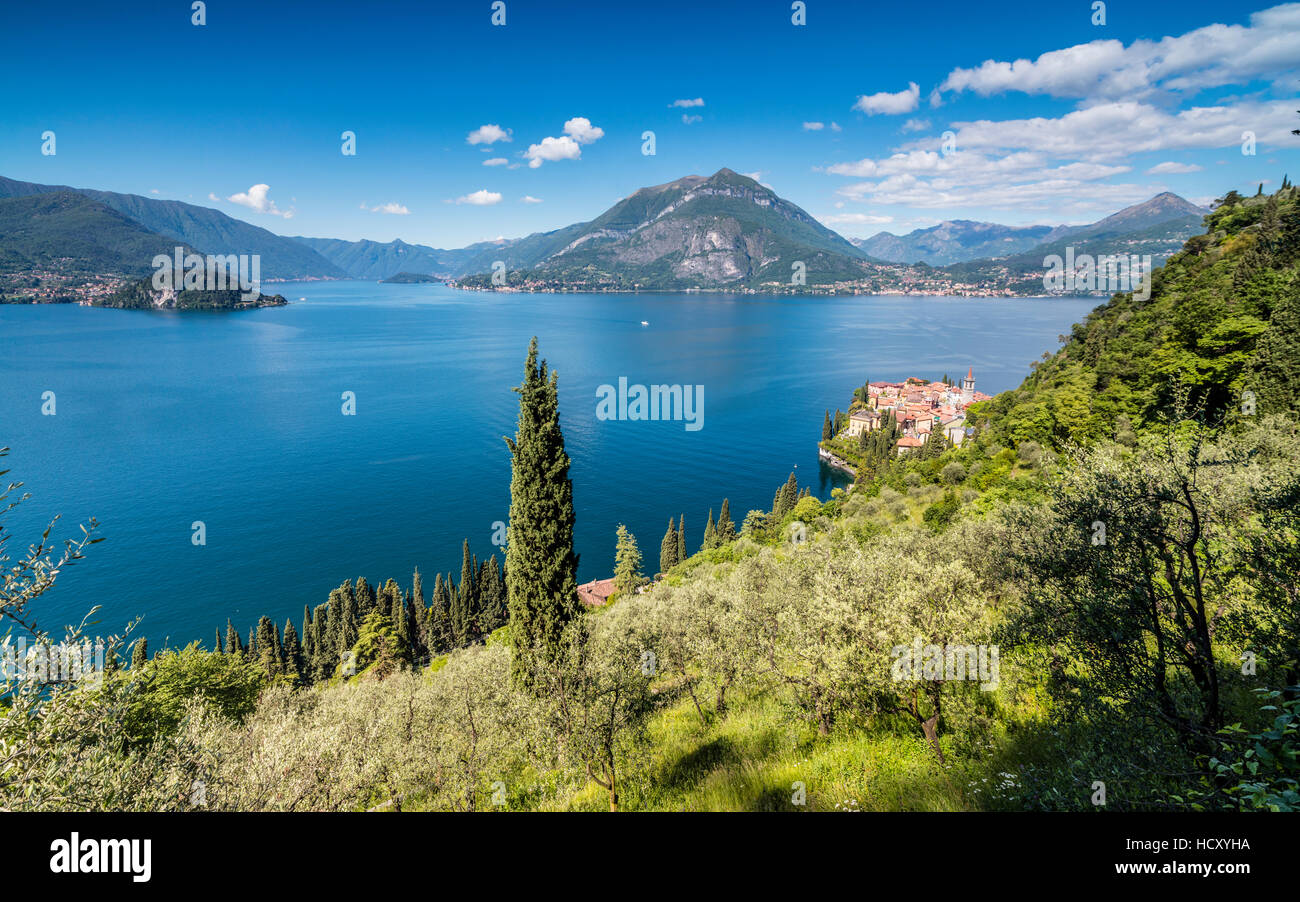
(1114, 557)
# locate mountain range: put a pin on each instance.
(724, 231)
(961, 240)
(207, 230)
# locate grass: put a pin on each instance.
(752, 758)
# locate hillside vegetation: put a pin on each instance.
(1117, 547)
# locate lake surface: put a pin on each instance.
(235, 420)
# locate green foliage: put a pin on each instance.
(541, 566)
(627, 562)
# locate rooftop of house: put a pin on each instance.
(596, 593)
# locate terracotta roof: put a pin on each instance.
(596, 592)
(908, 442)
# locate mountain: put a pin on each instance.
(75, 235)
(961, 240)
(206, 230)
(1158, 227)
(378, 260)
(952, 241)
(723, 231)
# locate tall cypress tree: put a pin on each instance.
(417, 619)
(234, 646)
(827, 432)
(681, 539)
(308, 643)
(293, 662)
(541, 565)
(710, 534)
(269, 653)
(366, 598)
(627, 562)
(492, 595)
(668, 549)
(439, 629)
(464, 612)
(325, 657)
(726, 530)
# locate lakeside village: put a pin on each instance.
(884, 420)
(894, 419)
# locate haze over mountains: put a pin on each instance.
(724, 231)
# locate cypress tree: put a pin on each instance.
(365, 601)
(233, 644)
(417, 619)
(308, 643)
(350, 621)
(627, 562)
(140, 654)
(826, 427)
(726, 530)
(268, 647)
(439, 628)
(252, 643)
(217, 645)
(681, 539)
(465, 609)
(324, 656)
(293, 663)
(786, 497)
(710, 534)
(668, 549)
(541, 565)
(492, 595)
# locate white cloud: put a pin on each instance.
(154, 191)
(698, 101)
(689, 120)
(1172, 168)
(391, 209)
(496, 161)
(1105, 69)
(529, 199)
(916, 125)
(581, 130)
(488, 134)
(480, 198)
(256, 198)
(551, 150)
(1115, 130)
(890, 104)
(813, 126)
(756, 175)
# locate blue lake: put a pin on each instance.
(235, 420)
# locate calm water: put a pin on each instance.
(234, 419)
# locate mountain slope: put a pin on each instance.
(726, 230)
(74, 234)
(208, 231)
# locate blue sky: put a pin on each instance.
(142, 101)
